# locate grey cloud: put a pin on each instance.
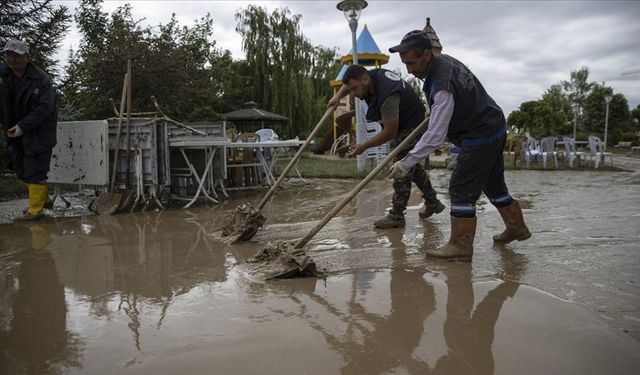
(517, 48)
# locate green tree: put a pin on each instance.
(555, 98)
(179, 65)
(289, 76)
(236, 77)
(635, 119)
(577, 88)
(96, 71)
(537, 118)
(41, 24)
(620, 122)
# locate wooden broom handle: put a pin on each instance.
(295, 159)
(362, 183)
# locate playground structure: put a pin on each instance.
(342, 133)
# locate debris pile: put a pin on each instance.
(283, 261)
(244, 223)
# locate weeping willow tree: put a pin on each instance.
(289, 75)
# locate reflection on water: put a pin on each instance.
(387, 342)
(160, 293)
(372, 340)
(109, 264)
(34, 338)
(469, 331)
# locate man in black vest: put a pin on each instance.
(29, 118)
(463, 112)
(393, 103)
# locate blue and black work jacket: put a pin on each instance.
(29, 102)
(385, 83)
(476, 120)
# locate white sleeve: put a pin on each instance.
(441, 112)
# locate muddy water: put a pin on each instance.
(161, 292)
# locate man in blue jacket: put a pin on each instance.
(28, 116)
(463, 112)
(393, 103)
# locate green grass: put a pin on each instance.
(11, 187)
(624, 151)
(320, 166)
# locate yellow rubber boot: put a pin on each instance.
(40, 237)
(38, 194)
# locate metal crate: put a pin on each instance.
(149, 136)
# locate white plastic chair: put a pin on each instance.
(267, 135)
(597, 153)
(570, 152)
(530, 150)
(548, 148)
(378, 152)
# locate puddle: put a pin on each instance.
(164, 292)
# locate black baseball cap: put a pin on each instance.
(415, 39)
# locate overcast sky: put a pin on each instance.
(516, 48)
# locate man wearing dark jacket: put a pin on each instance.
(463, 112)
(28, 116)
(392, 102)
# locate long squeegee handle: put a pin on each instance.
(295, 159)
(363, 183)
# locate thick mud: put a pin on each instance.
(243, 223)
(164, 292)
(281, 261)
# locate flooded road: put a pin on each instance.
(161, 292)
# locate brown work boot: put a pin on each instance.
(390, 221)
(516, 228)
(431, 208)
(460, 245)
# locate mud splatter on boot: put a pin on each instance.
(429, 209)
(514, 221)
(390, 221)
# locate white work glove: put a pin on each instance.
(14, 132)
(397, 171)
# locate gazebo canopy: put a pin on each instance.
(251, 113)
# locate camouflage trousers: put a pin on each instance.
(417, 175)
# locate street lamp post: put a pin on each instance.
(575, 120)
(351, 10)
(607, 99)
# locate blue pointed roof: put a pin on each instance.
(365, 43)
(368, 51)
